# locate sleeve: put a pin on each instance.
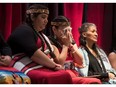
(23, 40)
(4, 48)
(84, 70)
(106, 62)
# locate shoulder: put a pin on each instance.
(22, 30)
(112, 54)
(82, 50)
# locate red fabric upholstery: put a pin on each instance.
(46, 76)
(82, 80)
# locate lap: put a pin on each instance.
(47, 76)
(83, 80)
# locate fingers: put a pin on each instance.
(5, 60)
(111, 75)
(2, 63)
(59, 67)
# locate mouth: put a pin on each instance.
(45, 24)
(95, 37)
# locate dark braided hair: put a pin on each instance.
(30, 22)
(63, 21)
(82, 41)
(58, 19)
(84, 28)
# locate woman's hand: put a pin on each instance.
(5, 60)
(66, 39)
(58, 67)
(111, 76)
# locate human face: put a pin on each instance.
(62, 31)
(91, 35)
(40, 22)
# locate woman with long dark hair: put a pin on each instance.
(70, 56)
(33, 53)
(95, 60)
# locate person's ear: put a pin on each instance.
(84, 34)
(54, 29)
(32, 17)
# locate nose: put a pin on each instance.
(46, 20)
(96, 34)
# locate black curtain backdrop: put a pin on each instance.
(85, 13)
(114, 28)
(107, 31)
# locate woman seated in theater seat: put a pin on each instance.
(32, 51)
(95, 61)
(9, 75)
(70, 56)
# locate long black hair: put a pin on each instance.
(58, 22)
(82, 41)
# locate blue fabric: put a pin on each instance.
(13, 77)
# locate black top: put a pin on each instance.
(23, 40)
(4, 48)
(94, 66)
